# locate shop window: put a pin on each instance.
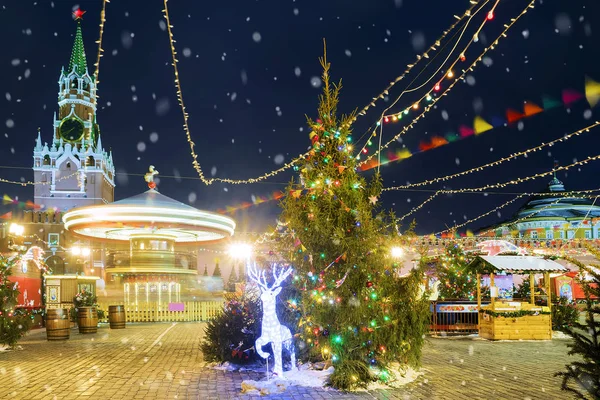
(549, 235)
(534, 235)
(588, 234)
(53, 239)
(562, 234)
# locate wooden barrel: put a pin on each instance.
(116, 317)
(58, 325)
(87, 319)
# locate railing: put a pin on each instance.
(454, 317)
(188, 311)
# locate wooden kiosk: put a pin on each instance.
(514, 320)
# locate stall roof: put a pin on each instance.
(514, 264)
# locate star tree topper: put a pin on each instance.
(78, 14)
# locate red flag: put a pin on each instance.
(513, 116)
(8, 215)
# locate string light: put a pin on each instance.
(30, 183)
(511, 182)
(496, 185)
(500, 161)
(433, 47)
(186, 128)
(469, 69)
(99, 42)
(407, 90)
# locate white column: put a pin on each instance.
(53, 184)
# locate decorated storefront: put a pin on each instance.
(507, 319)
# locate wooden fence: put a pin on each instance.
(159, 312)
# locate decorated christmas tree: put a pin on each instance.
(582, 377)
(13, 323)
(455, 283)
(357, 312)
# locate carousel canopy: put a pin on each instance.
(149, 214)
(514, 265)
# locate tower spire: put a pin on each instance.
(78, 60)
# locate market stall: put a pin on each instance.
(505, 319)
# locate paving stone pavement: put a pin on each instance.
(163, 361)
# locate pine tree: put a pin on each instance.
(217, 271)
(583, 377)
(205, 270)
(13, 323)
(356, 311)
(455, 282)
(233, 279)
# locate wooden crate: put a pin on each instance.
(530, 327)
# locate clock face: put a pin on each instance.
(71, 129)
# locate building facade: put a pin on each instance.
(552, 216)
(71, 169)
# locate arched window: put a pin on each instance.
(90, 162)
(46, 159)
(68, 166)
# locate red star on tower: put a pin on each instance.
(78, 14)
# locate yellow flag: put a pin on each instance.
(480, 126)
(592, 91)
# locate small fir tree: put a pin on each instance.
(455, 282)
(583, 377)
(356, 311)
(231, 335)
(217, 271)
(13, 323)
(205, 270)
(233, 279)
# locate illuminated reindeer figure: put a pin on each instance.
(271, 330)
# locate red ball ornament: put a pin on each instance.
(152, 185)
(369, 284)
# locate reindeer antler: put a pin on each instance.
(280, 276)
(258, 277)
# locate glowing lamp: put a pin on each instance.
(397, 252)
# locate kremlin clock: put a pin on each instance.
(71, 129)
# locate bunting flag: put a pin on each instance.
(255, 202)
(480, 125)
(531, 109)
(30, 205)
(549, 102)
(8, 215)
(513, 116)
(570, 96)
(592, 91)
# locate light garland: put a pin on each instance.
(514, 181)
(186, 127)
(502, 160)
(407, 90)
(433, 47)
(561, 194)
(99, 42)
(436, 99)
(30, 183)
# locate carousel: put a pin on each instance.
(151, 240)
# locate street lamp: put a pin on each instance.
(397, 252)
(240, 251)
(16, 229)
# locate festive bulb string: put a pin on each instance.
(500, 161)
(30, 183)
(409, 68)
(99, 42)
(186, 127)
(408, 89)
(561, 194)
(495, 185)
(447, 90)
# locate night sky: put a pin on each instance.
(248, 70)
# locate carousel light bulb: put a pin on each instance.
(450, 74)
